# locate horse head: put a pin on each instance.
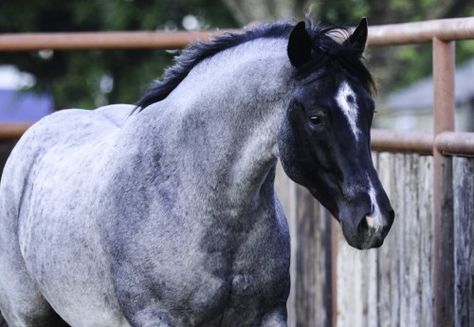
(324, 140)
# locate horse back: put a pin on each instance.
(62, 132)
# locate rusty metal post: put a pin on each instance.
(443, 270)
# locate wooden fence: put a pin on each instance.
(423, 275)
(334, 284)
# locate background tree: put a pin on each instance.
(393, 66)
(91, 78)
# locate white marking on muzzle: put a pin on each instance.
(374, 220)
(346, 99)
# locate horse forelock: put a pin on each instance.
(331, 52)
(327, 51)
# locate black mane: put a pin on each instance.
(324, 46)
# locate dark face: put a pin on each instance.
(324, 145)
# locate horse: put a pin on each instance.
(164, 213)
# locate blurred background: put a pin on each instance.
(35, 83)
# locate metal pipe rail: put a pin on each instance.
(12, 131)
(455, 143)
(392, 34)
(448, 143)
(100, 40)
(419, 32)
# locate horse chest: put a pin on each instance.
(260, 277)
(255, 264)
(261, 263)
(240, 274)
(208, 265)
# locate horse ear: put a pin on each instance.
(299, 45)
(358, 38)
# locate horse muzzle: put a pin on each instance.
(369, 231)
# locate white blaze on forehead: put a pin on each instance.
(346, 99)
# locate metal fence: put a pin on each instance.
(433, 235)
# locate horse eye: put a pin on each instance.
(315, 119)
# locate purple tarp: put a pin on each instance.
(21, 106)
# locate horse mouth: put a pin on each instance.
(375, 240)
(366, 235)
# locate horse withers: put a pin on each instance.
(164, 214)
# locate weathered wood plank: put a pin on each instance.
(312, 285)
(464, 241)
(392, 287)
(444, 294)
(425, 212)
(386, 261)
(285, 190)
(405, 216)
(309, 303)
(397, 254)
(413, 245)
(356, 286)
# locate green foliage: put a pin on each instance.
(395, 67)
(74, 78)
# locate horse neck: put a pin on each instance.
(222, 121)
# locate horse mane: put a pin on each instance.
(343, 54)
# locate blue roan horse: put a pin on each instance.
(165, 214)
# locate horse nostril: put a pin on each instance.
(363, 226)
(369, 224)
(372, 209)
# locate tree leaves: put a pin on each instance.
(74, 77)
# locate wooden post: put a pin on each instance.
(443, 74)
(309, 303)
(464, 241)
(333, 250)
(313, 271)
